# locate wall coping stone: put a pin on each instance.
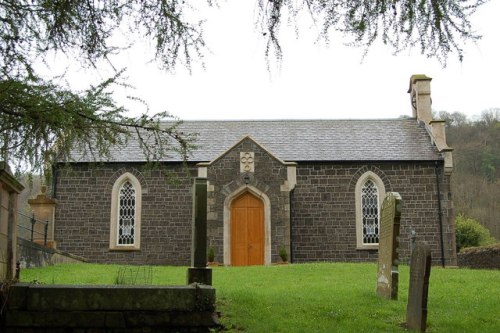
(49, 250)
(111, 298)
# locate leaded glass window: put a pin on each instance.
(126, 214)
(370, 212)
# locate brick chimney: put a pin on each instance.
(420, 94)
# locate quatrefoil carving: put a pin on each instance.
(247, 162)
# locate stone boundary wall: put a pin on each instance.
(484, 257)
(31, 255)
(109, 309)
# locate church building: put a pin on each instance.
(312, 188)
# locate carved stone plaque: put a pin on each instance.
(247, 162)
(388, 260)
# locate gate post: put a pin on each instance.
(9, 190)
(44, 209)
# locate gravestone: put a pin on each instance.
(199, 272)
(420, 271)
(388, 260)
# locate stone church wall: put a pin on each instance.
(320, 210)
(84, 204)
(324, 218)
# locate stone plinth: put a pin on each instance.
(201, 275)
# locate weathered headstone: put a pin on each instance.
(420, 271)
(199, 272)
(388, 260)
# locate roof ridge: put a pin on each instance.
(287, 120)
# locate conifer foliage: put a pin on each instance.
(40, 118)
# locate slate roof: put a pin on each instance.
(304, 140)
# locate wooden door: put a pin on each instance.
(247, 231)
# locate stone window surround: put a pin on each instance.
(369, 175)
(115, 194)
(227, 222)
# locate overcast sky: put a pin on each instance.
(315, 81)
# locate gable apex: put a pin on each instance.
(244, 138)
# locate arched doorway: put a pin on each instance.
(247, 230)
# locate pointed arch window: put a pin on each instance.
(370, 211)
(370, 190)
(125, 231)
(126, 214)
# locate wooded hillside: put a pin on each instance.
(476, 158)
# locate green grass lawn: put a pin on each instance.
(326, 297)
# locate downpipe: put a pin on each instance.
(440, 213)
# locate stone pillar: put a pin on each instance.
(199, 272)
(44, 209)
(9, 190)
